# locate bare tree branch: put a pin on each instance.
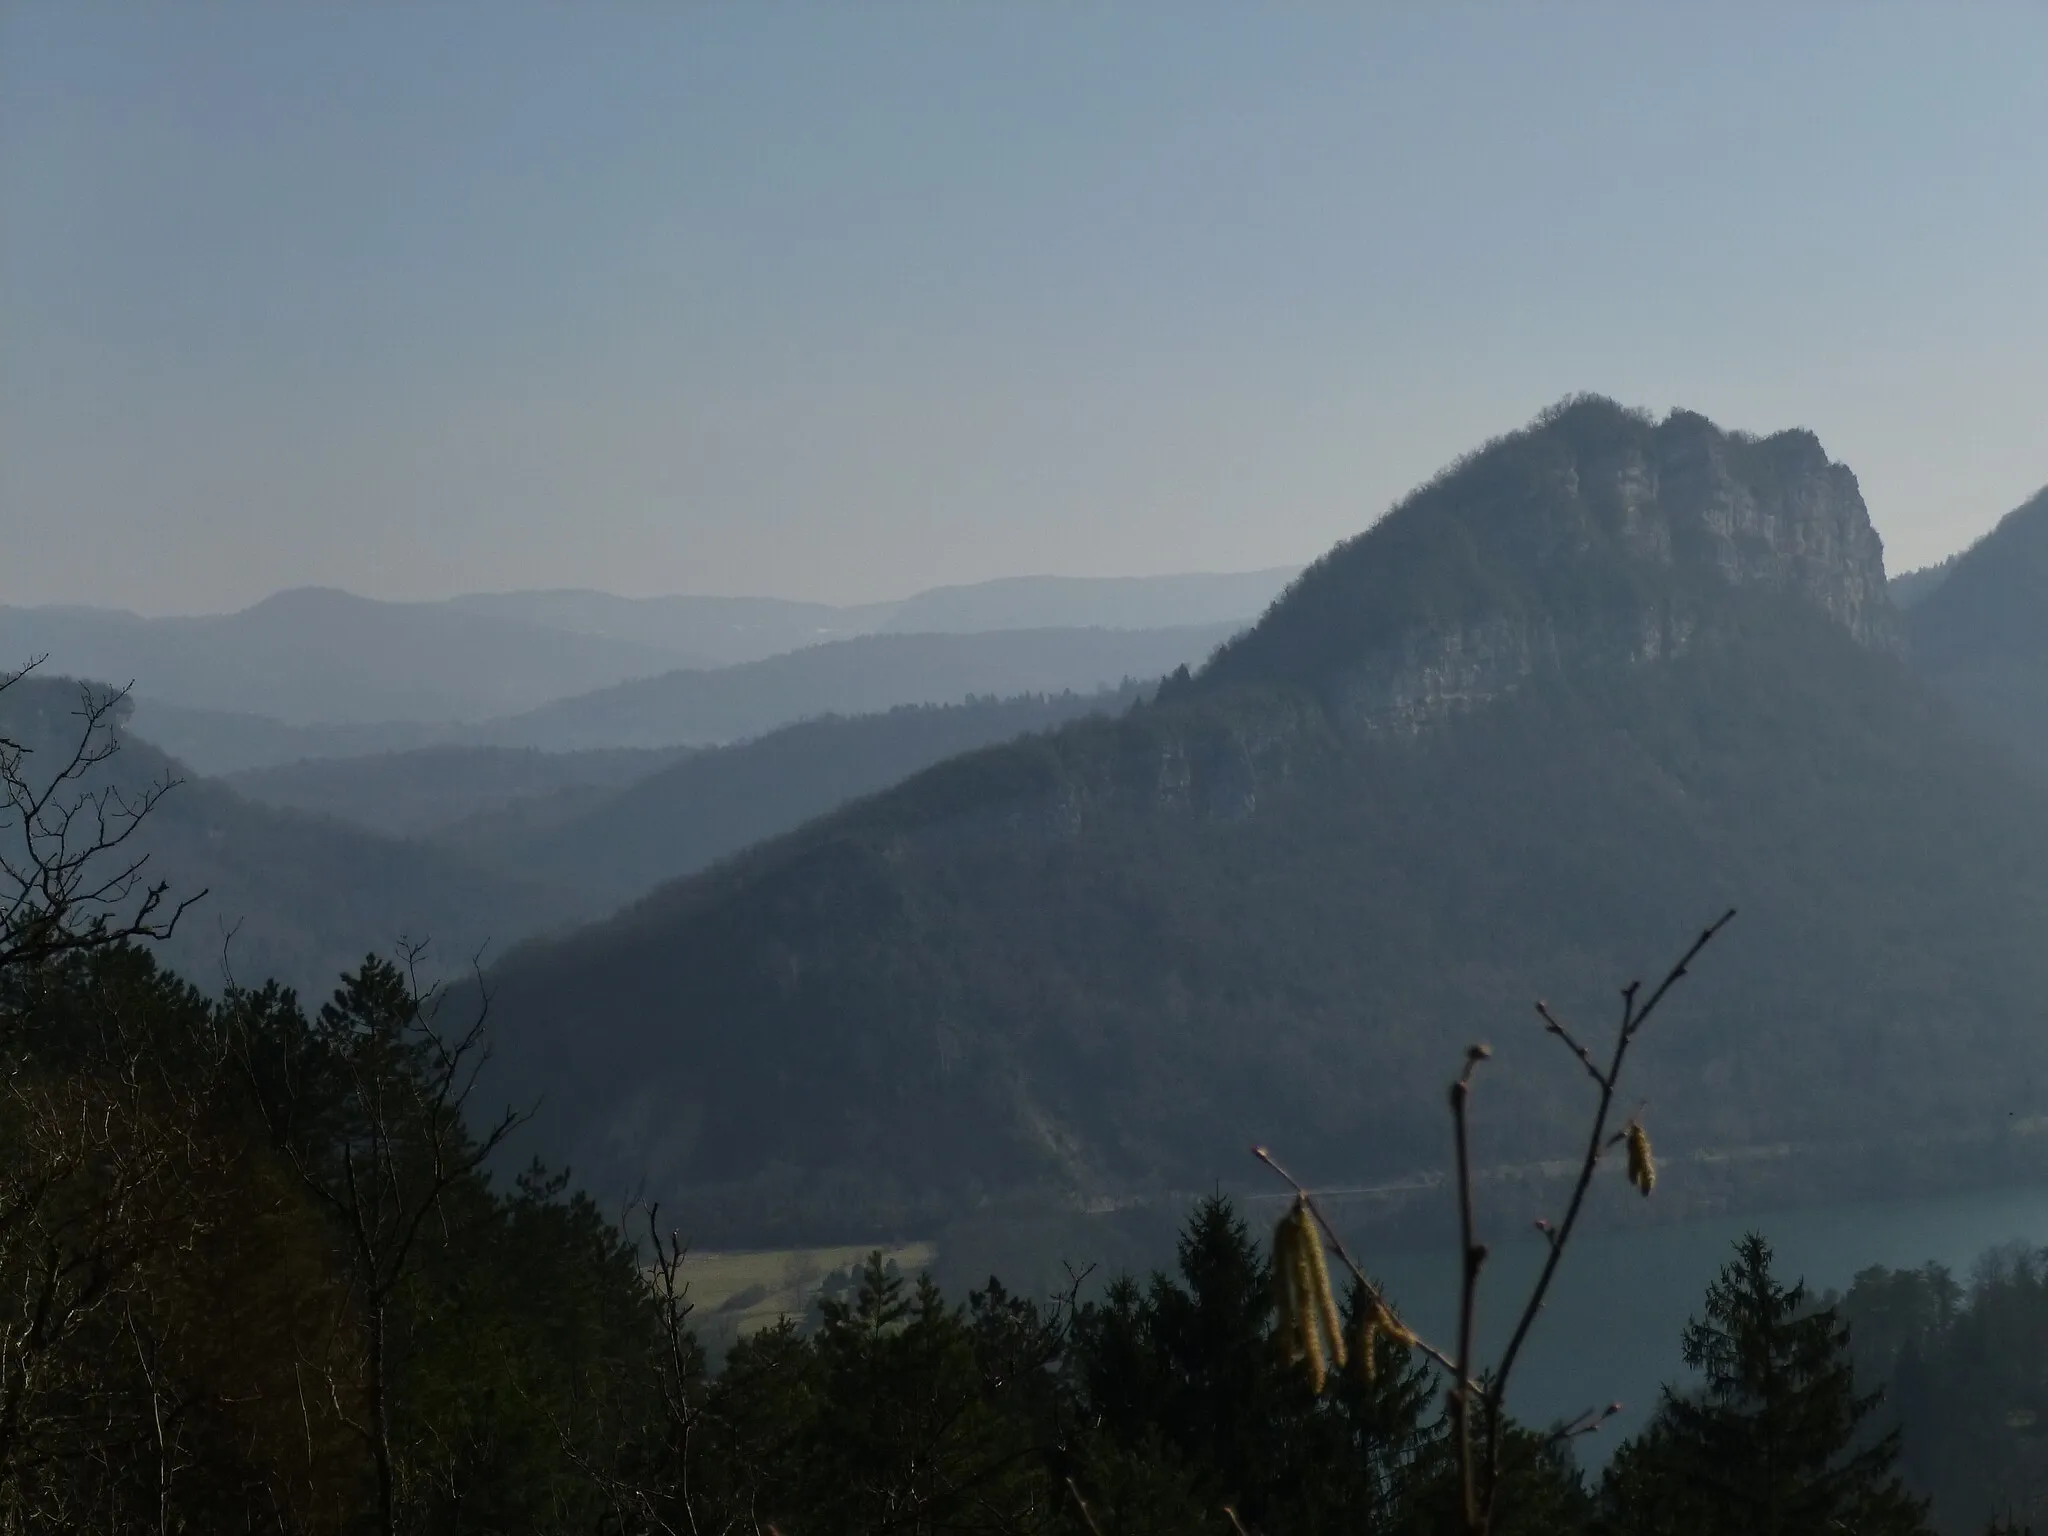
(68, 882)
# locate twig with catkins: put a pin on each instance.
(1385, 1319)
(1305, 1309)
(1311, 1332)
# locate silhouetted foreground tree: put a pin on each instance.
(196, 1336)
(1773, 1442)
(365, 1104)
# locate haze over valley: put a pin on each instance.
(1559, 662)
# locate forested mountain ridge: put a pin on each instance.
(600, 850)
(1592, 685)
(713, 706)
(1089, 602)
(1982, 634)
(315, 672)
(726, 631)
(412, 794)
(859, 676)
(1910, 588)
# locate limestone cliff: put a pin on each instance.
(1596, 537)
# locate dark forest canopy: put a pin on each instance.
(225, 1329)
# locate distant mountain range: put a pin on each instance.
(319, 658)
(726, 704)
(1105, 602)
(1589, 687)
(220, 741)
(875, 672)
(697, 631)
(725, 631)
(601, 828)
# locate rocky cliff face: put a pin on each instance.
(1775, 514)
(1595, 538)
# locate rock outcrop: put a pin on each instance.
(1596, 537)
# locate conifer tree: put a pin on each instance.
(1774, 1442)
(1201, 1412)
(916, 1428)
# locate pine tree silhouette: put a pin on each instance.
(1775, 1441)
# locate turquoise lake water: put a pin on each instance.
(1611, 1328)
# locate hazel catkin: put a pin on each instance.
(1642, 1162)
(1311, 1330)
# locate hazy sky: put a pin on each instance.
(843, 301)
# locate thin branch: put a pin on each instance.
(58, 893)
(1681, 970)
(1473, 1259)
(1552, 1026)
(1372, 1290)
(1587, 1423)
(1632, 1020)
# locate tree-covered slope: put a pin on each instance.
(847, 677)
(1982, 635)
(289, 895)
(1520, 739)
(1911, 588)
(411, 794)
(600, 850)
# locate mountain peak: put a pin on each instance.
(309, 600)
(1597, 534)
